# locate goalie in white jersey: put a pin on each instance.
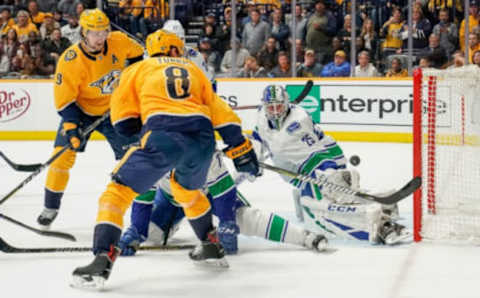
(294, 142)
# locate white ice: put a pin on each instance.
(261, 269)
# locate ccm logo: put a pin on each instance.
(13, 104)
(341, 208)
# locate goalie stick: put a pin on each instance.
(7, 248)
(20, 167)
(297, 100)
(56, 234)
(397, 196)
(88, 130)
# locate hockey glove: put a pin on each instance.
(227, 234)
(244, 158)
(73, 133)
(130, 241)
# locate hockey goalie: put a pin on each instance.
(286, 134)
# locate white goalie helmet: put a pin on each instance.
(176, 27)
(275, 102)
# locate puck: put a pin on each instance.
(354, 160)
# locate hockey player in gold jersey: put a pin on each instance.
(172, 102)
(86, 76)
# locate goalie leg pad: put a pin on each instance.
(353, 221)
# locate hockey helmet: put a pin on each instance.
(161, 41)
(275, 102)
(176, 27)
(94, 20)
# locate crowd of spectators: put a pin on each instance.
(323, 38)
(34, 33)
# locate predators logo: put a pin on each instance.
(70, 55)
(108, 82)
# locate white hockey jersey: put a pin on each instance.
(300, 145)
(197, 58)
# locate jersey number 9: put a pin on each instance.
(178, 82)
(59, 79)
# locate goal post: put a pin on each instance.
(446, 154)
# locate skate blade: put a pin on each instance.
(88, 282)
(214, 263)
(408, 237)
(327, 251)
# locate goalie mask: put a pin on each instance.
(275, 102)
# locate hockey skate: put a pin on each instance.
(316, 242)
(46, 218)
(392, 233)
(209, 252)
(94, 275)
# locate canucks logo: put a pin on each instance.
(108, 82)
(293, 127)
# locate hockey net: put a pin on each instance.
(447, 154)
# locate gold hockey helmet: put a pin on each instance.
(94, 20)
(161, 41)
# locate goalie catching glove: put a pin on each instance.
(74, 135)
(244, 158)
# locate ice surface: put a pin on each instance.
(262, 269)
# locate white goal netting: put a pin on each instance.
(449, 157)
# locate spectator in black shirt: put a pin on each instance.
(56, 44)
(43, 62)
(267, 57)
(437, 54)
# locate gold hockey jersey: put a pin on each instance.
(89, 80)
(170, 93)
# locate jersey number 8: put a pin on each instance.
(178, 82)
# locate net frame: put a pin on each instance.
(446, 207)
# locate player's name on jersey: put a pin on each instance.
(173, 60)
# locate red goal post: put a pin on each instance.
(446, 154)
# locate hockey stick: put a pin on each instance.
(7, 248)
(397, 196)
(20, 167)
(304, 93)
(88, 130)
(62, 235)
(297, 100)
